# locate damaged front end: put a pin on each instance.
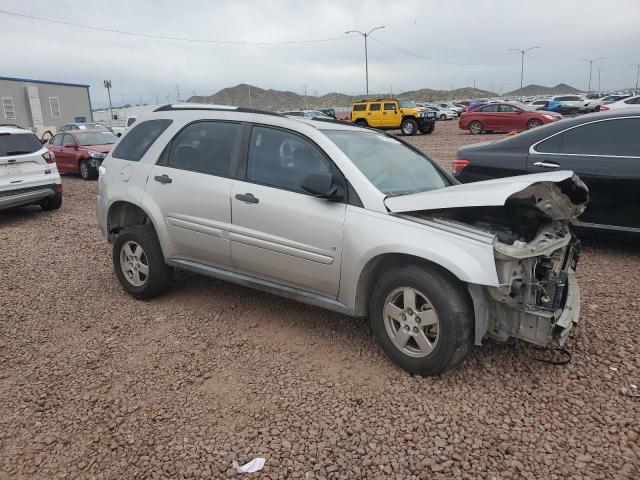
(537, 298)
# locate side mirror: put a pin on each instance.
(69, 145)
(321, 185)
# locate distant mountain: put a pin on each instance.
(542, 90)
(244, 95)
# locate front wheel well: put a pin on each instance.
(125, 214)
(378, 265)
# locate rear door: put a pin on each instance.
(488, 116)
(281, 233)
(374, 115)
(606, 156)
(191, 185)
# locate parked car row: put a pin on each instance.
(501, 117)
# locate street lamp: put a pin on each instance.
(637, 65)
(591, 61)
(522, 52)
(366, 59)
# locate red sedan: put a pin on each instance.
(503, 117)
(81, 151)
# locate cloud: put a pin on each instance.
(453, 31)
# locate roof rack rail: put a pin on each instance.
(215, 108)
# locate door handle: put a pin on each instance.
(163, 178)
(546, 165)
(247, 197)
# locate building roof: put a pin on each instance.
(29, 80)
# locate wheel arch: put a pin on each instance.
(123, 214)
(378, 264)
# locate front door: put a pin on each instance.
(191, 185)
(280, 233)
(65, 158)
(606, 156)
(391, 115)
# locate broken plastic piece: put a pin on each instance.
(253, 466)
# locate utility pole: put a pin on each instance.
(522, 52)
(366, 57)
(157, 101)
(249, 86)
(124, 109)
(304, 87)
(178, 90)
(637, 65)
(591, 61)
(107, 85)
(140, 97)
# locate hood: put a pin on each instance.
(560, 195)
(100, 148)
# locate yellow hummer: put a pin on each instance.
(392, 114)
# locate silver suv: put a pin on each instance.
(350, 219)
(28, 173)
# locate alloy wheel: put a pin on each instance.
(84, 169)
(411, 322)
(134, 263)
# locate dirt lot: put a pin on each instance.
(94, 384)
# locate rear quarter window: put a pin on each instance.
(135, 143)
(18, 144)
(359, 108)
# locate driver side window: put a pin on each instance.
(282, 159)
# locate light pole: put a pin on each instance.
(366, 59)
(591, 61)
(522, 52)
(599, 72)
(637, 65)
(107, 85)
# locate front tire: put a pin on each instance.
(533, 124)
(85, 170)
(427, 129)
(409, 126)
(443, 117)
(475, 127)
(422, 319)
(139, 262)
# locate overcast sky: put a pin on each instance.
(467, 32)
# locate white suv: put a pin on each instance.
(28, 173)
(347, 218)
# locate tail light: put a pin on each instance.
(604, 108)
(49, 157)
(458, 165)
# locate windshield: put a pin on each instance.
(393, 168)
(96, 138)
(407, 104)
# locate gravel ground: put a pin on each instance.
(94, 384)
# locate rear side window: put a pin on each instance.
(550, 145)
(18, 144)
(360, 107)
(489, 109)
(57, 140)
(136, 142)
(609, 137)
(205, 147)
(374, 107)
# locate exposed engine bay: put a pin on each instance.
(537, 299)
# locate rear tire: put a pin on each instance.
(475, 127)
(439, 310)
(361, 123)
(409, 126)
(51, 203)
(139, 262)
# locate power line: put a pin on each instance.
(164, 37)
(552, 66)
(407, 52)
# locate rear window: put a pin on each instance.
(18, 144)
(360, 107)
(136, 142)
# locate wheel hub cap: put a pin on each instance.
(134, 263)
(411, 322)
